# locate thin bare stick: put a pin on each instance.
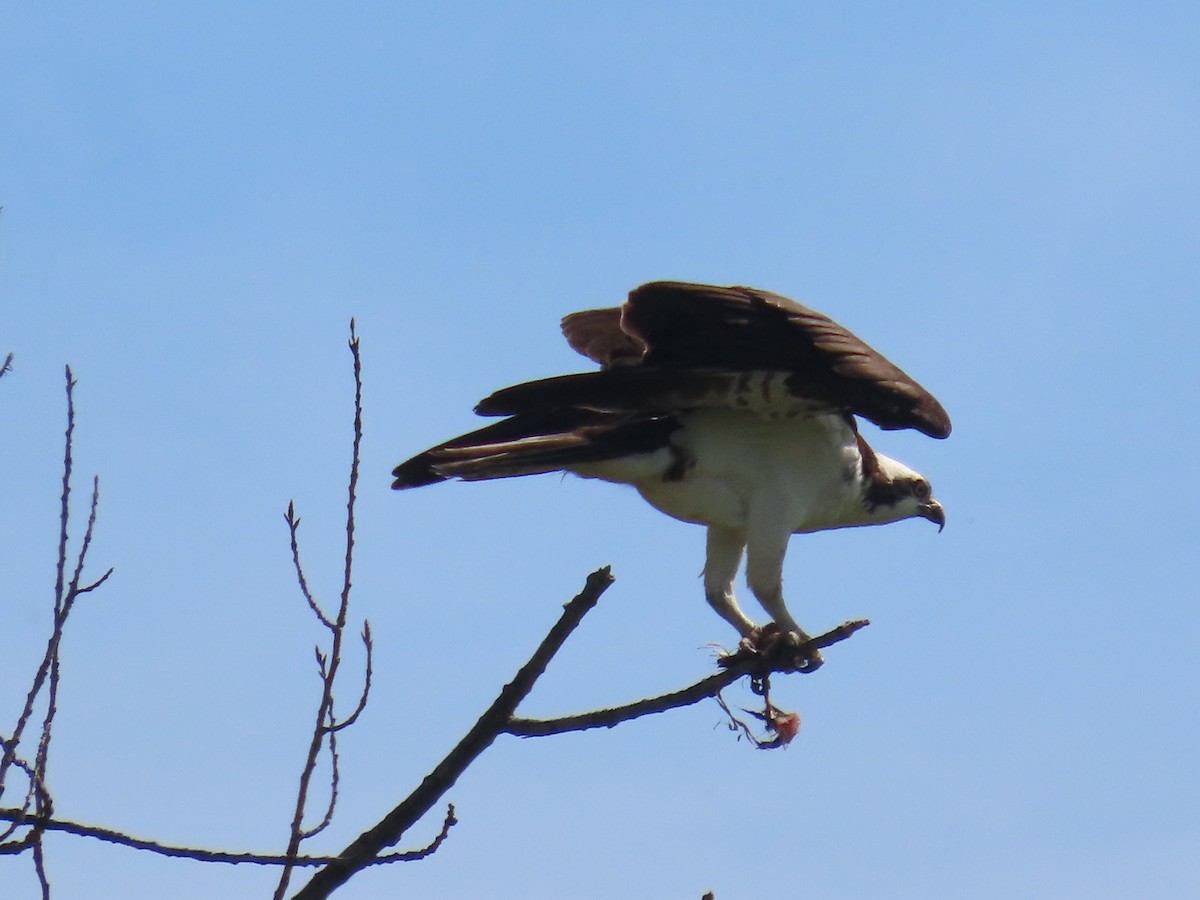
(326, 724)
(293, 523)
(738, 665)
(63, 610)
(48, 674)
(335, 778)
(108, 835)
(7, 366)
(87, 589)
(353, 486)
(492, 723)
(65, 507)
(39, 866)
(45, 806)
(73, 587)
(64, 598)
(62, 607)
(369, 648)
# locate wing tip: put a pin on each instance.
(415, 472)
(937, 421)
(493, 405)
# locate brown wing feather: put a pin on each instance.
(706, 326)
(676, 346)
(597, 334)
(536, 443)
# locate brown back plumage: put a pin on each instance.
(676, 328)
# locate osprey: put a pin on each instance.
(729, 407)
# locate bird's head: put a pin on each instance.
(892, 491)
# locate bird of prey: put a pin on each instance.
(730, 407)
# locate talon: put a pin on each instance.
(805, 661)
(810, 663)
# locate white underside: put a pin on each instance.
(754, 482)
(803, 472)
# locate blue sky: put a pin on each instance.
(1001, 197)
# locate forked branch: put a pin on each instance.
(44, 688)
(491, 724)
(500, 719)
(327, 724)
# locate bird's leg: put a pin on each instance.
(764, 575)
(725, 547)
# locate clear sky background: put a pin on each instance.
(1003, 198)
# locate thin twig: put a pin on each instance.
(293, 522)
(73, 587)
(45, 806)
(65, 507)
(63, 600)
(366, 691)
(326, 724)
(108, 835)
(62, 611)
(62, 604)
(334, 782)
(87, 589)
(353, 486)
(49, 673)
(39, 866)
(7, 365)
(491, 724)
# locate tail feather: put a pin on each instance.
(535, 444)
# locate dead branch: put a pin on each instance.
(745, 662)
(45, 802)
(491, 724)
(48, 674)
(327, 725)
(22, 817)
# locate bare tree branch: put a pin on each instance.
(491, 724)
(65, 507)
(48, 674)
(369, 648)
(293, 522)
(108, 835)
(326, 724)
(37, 790)
(613, 716)
(353, 486)
(335, 777)
(737, 665)
(63, 599)
(39, 865)
(87, 589)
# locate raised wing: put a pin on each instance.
(675, 345)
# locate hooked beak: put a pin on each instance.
(934, 513)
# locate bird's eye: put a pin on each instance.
(920, 490)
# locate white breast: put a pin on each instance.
(805, 468)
